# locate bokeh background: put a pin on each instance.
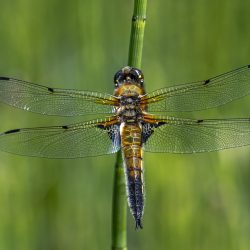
(192, 201)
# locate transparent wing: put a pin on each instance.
(175, 135)
(71, 141)
(201, 95)
(52, 101)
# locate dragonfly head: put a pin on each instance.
(128, 75)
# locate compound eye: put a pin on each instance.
(137, 72)
(141, 78)
(117, 78)
(116, 83)
(138, 76)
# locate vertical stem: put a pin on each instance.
(137, 33)
(119, 212)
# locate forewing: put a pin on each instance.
(52, 101)
(175, 135)
(71, 141)
(201, 95)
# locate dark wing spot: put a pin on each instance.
(51, 90)
(12, 131)
(206, 81)
(248, 66)
(200, 121)
(4, 78)
(65, 127)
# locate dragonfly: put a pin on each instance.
(134, 121)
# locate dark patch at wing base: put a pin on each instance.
(113, 132)
(148, 130)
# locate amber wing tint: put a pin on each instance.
(52, 101)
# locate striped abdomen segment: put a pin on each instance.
(131, 144)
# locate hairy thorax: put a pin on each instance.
(129, 110)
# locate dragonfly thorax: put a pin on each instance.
(129, 109)
(132, 100)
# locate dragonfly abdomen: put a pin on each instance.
(131, 144)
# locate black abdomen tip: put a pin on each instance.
(138, 224)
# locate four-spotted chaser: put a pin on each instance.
(131, 124)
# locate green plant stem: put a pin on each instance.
(119, 212)
(137, 33)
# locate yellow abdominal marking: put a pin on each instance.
(132, 148)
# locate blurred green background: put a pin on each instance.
(192, 201)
